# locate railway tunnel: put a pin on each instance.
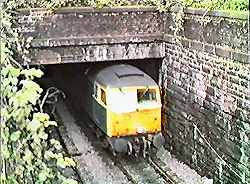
(69, 77)
(205, 79)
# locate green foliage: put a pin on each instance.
(242, 166)
(107, 3)
(239, 5)
(28, 154)
(50, 4)
(178, 19)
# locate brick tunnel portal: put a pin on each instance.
(69, 77)
(206, 79)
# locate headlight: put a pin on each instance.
(140, 130)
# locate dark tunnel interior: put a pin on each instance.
(68, 77)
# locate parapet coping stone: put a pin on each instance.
(218, 13)
(65, 10)
(217, 50)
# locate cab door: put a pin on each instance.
(99, 107)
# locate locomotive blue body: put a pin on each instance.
(125, 104)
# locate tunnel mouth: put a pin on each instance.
(151, 66)
(68, 79)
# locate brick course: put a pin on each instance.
(206, 91)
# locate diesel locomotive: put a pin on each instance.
(125, 106)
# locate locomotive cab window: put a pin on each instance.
(103, 96)
(146, 95)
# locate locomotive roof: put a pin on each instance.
(122, 75)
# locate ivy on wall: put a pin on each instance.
(28, 154)
(237, 5)
(240, 5)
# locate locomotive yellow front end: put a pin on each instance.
(133, 111)
(126, 107)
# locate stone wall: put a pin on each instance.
(220, 28)
(84, 34)
(207, 96)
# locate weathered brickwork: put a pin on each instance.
(213, 27)
(88, 22)
(207, 93)
(207, 103)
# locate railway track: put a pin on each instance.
(154, 169)
(135, 169)
(122, 169)
(169, 179)
(101, 162)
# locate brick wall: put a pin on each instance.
(207, 104)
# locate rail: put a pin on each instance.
(160, 171)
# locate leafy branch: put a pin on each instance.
(29, 155)
(51, 97)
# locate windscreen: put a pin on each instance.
(146, 95)
(126, 101)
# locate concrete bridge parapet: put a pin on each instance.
(85, 34)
